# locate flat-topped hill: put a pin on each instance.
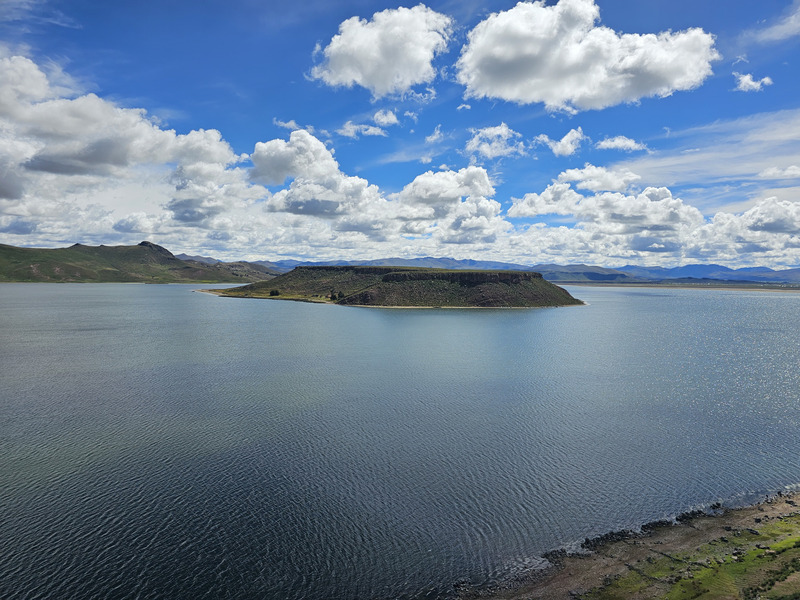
(145, 262)
(408, 286)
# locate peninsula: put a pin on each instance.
(408, 287)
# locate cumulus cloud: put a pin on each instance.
(77, 167)
(654, 213)
(620, 142)
(318, 187)
(353, 130)
(599, 179)
(791, 172)
(453, 206)
(303, 156)
(566, 146)
(438, 192)
(207, 194)
(746, 83)
(558, 198)
(559, 56)
(767, 231)
(655, 227)
(387, 55)
(495, 142)
(385, 118)
(774, 216)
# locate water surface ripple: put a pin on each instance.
(159, 443)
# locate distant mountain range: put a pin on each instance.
(152, 263)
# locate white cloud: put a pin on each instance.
(495, 142)
(787, 27)
(558, 198)
(441, 190)
(557, 55)
(652, 215)
(21, 82)
(727, 154)
(83, 168)
(654, 227)
(38, 11)
(453, 206)
(599, 179)
(385, 118)
(765, 233)
(773, 216)
(291, 125)
(303, 156)
(463, 107)
(791, 172)
(746, 83)
(620, 142)
(88, 136)
(388, 55)
(353, 130)
(16, 10)
(318, 188)
(436, 136)
(566, 146)
(76, 167)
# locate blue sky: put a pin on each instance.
(599, 131)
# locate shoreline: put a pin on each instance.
(699, 550)
(219, 294)
(756, 287)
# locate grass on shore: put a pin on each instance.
(749, 564)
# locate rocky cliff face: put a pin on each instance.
(397, 274)
(463, 277)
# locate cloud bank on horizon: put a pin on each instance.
(572, 131)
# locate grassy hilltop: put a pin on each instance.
(146, 262)
(407, 286)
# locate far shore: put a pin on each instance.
(756, 287)
(752, 551)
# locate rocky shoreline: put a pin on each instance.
(748, 552)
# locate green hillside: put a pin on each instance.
(406, 286)
(145, 262)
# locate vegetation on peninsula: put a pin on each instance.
(408, 286)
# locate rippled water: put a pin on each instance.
(159, 443)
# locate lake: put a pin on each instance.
(161, 443)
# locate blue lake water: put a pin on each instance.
(160, 443)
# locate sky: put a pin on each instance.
(605, 132)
